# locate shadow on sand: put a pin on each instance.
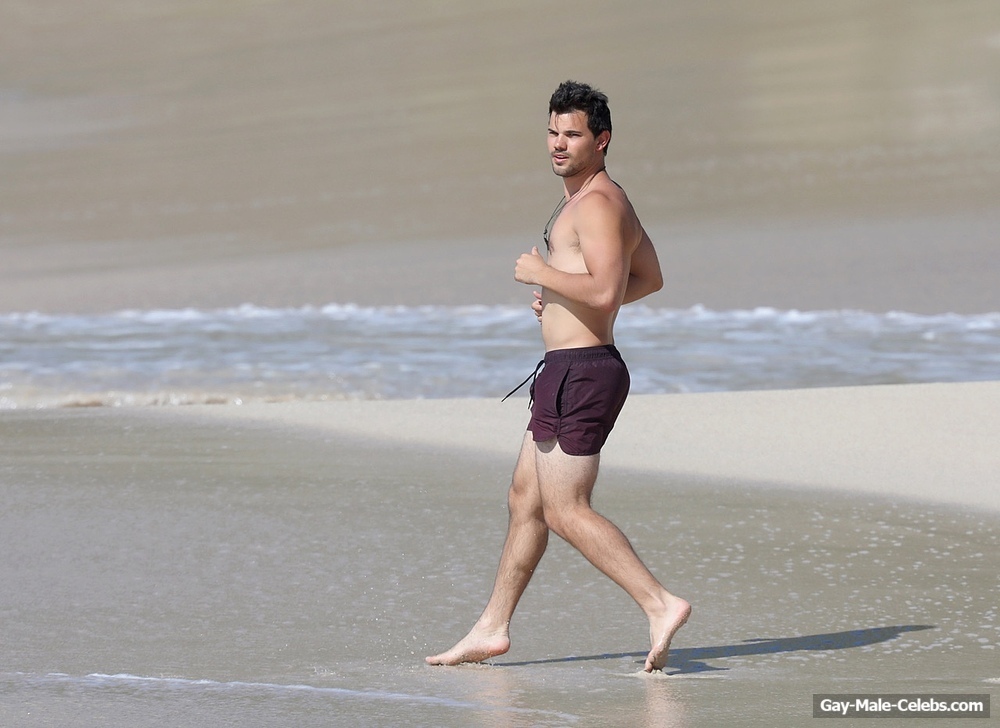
(692, 659)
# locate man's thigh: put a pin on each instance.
(524, 483)
(564, 480)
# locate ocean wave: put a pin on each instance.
(486, 315)
(251, 353)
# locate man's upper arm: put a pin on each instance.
(645, 273)
(602, 244)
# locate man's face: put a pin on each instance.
(572, 146)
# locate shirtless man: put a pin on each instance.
(599, 258)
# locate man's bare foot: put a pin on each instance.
(474, 647)
(662, 630)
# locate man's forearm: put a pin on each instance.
(583, 288)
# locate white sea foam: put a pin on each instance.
(98, 681)
(348, 351)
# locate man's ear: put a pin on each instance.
(603, 139)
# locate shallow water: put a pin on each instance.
(159, 570)
(345, 351)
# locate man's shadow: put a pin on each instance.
(692, 659)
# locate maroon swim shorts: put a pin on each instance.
(577, 397)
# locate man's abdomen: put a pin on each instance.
(566, 328)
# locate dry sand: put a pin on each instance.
(933, 442)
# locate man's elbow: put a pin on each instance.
(608, 302)
(648, 285)
(655, 283)
(605, 306)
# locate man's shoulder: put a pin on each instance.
(604, 213)
(605, 200)
(603, 207)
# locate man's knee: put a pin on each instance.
(523, 497)
(554, 522)
(562, 520)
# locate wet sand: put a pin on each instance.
(293, 564)
(254, 567)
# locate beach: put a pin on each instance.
(259, 565)
(272, 557)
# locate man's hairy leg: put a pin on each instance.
(527, 537)
(566, 483)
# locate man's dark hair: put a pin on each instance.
(573, 96)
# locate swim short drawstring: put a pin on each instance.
(531, 378)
